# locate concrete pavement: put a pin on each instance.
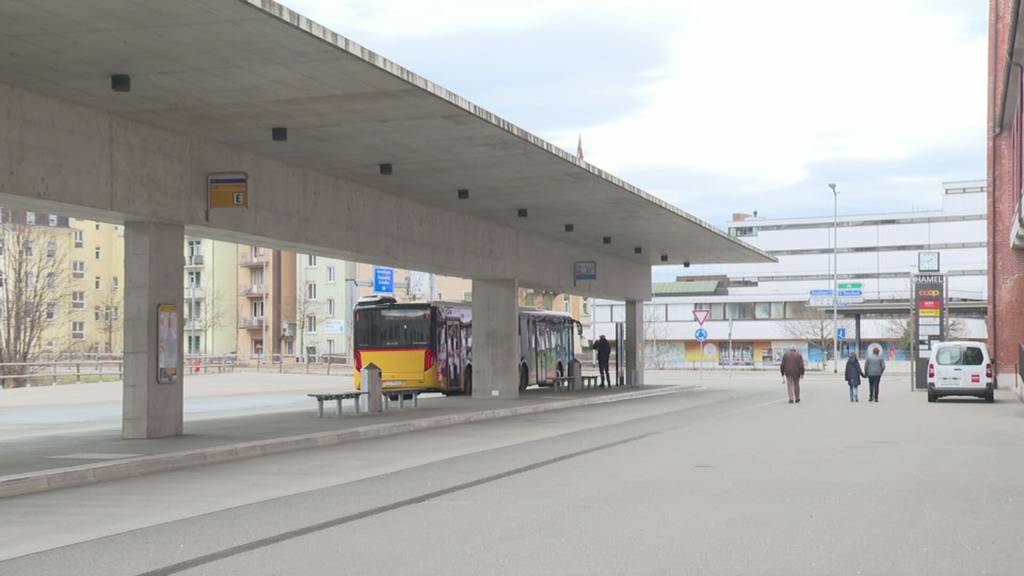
(725, 480)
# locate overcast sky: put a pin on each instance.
(716, 106)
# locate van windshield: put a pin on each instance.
(960, 356)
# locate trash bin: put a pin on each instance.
(372, 385)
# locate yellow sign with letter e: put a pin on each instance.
(228, 190)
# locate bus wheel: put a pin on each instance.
(524, 378)
(467, 383)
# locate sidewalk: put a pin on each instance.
(65, 459)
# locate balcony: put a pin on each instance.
(194, 324)
(254, 323)
(194, 261)
(251, 260)
(254, 291)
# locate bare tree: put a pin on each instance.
(33, 285)
(814, 326)
(208, 316)
(901, 329)
(656, 353)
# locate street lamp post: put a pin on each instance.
(835, 278)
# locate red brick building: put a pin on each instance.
(1005, 161)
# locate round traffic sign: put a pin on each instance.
(710, 350)
(701, 334)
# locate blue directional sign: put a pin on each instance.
(821, 292)
(383, 280)
(701, 334)
(851, 293)
(840, 333)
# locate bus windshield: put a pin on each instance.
(394, 328)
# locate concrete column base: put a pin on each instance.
(496, 339)
(154, 269)
(634, 343)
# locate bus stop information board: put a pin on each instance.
(228, 190)
(928, 326)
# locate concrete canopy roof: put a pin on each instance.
(230, 70)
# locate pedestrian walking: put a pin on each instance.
(874, 366)
(853, 375)
(792, 369)
(604, 352)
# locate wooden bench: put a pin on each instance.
(321, 398)
(402, 393)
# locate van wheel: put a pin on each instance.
(931, 396)
(990, 397)
(467, 383)
(524, 378)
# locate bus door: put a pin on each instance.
(453, 341)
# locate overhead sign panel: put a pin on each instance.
(228, 190)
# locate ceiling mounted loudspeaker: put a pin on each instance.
(385, 170)
(279, 134)
(120, 83)
(638, 250)
(522, 213)
(686, 264)
(569, 228)
(607, 240)
(463, 193)
(664, 257)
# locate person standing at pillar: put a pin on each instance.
(853, 375)
(874, 366)
(792, 369)
(604, 352)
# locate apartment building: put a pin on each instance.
(266, 302)
(320, 307)
(211, 297)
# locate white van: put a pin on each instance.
(960, 369)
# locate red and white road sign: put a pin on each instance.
(701, 316)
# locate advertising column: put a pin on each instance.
(929, 323)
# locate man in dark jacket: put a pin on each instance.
(874, 366)
(793, 369)
(853, 376)
(604, 352)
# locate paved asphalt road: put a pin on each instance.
(725, 480)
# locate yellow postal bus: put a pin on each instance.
(430, 344)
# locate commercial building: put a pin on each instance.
(1006, 188)
(756, 311)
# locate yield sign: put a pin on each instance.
(701, 316)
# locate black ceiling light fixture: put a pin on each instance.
(279, 134)
(120, 82)
(522, 212)
(569, 228)
(686, 264)
(638, 250)
(664, 257)
(607, 240)
(463, 193)
(386, 169)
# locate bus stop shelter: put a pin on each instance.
(244, 121)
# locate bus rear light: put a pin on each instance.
(428, 359)
(359, 361)
(988, 370)
(931, 370)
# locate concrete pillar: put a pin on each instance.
(496, 339)
(153, 267)
(634, 343)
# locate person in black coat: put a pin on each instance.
(853, 375)
(604, 352)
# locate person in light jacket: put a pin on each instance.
(853, 375)
(874, 366)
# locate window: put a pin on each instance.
(98, 282)
(78, 299)
(51, 249)
(51, 310)
(97, 313)
(257, 347)
(778, 310)
(30, 248)
(195, 248)
(311, 323)
(195, 279)
(332, 275)
(78, 330)
(959, 356)
(330, 346)
(717, 311)
(257, 308)
(740, 311)
(78, 269)
(679, 313)
(330, 306)
(744, 231)
(256, 277)
(194, 310)
(193, 345)
(311, 290)
(97, 225)
(53, 220)
(796, 310)
(97, 252)
(30, 279)
(310, 260)
(30, 217)
(113, 312)
(289, 347)
(586, 306)
(763, 310)
(113, 283)
(79, 239)
(51, 280)
(566, 303)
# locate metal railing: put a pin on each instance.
(253, 290)
(252, 323)
(327, 364)
(14, 374)
(194, 260)
(250, 259)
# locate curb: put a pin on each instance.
(55, 478)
